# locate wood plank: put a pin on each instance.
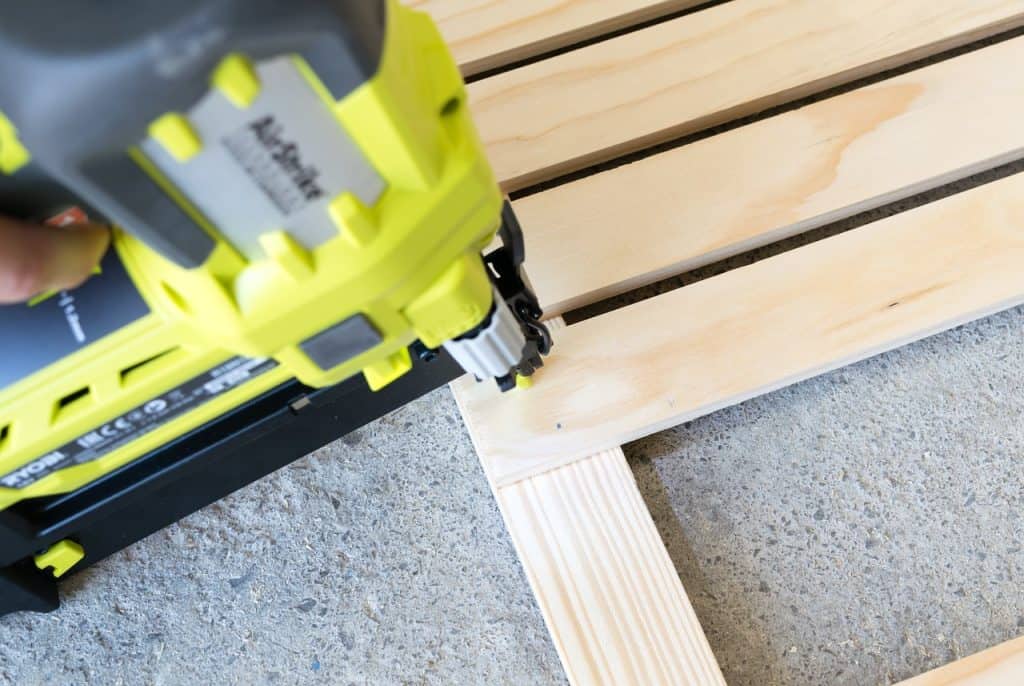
(608, 591)
(484, 34)
(1002, 665)
(714, 65)
(627, 227)
(683, 354)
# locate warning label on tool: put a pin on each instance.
(140, 420)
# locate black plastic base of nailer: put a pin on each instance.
(202, 467)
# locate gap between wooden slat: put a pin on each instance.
(689, 352)
(491, 36)
(1002, 665)
(705, 68)
(633, 225)
(485, 34)
(610, 596)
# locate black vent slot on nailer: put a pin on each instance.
(127, 372)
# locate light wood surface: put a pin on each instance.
(621, 229)
(486, 34)
(605, 585)
(661, 362)
(610, 596)
(713, 65)
(1002, 665)
(608, 591)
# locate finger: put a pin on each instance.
(35, 259)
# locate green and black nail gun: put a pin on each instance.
(300, 207)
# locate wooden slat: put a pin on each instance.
(607, 589)
(686, 353)
(1002, 665)
(486, 34)
(611, 598)
(621, 229)
(711, 66)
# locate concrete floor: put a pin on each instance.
(858, 528)
(854, 529)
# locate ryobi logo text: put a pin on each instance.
(30, 472)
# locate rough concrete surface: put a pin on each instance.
(854, 529)
(861, 527)
(858, 528)
(380, 559)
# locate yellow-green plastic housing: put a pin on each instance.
(410, 264)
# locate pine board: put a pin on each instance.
(614, 606)
(608, 591)
(689, 352)
(694, 71)
(1002, 665)
(487, 34)
(622, 229)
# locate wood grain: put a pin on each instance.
(1002, 665)
(717, 64)
(683, 354)
(621, 229)
(608, 591)
(486, 34)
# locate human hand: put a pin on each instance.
(35, 259)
